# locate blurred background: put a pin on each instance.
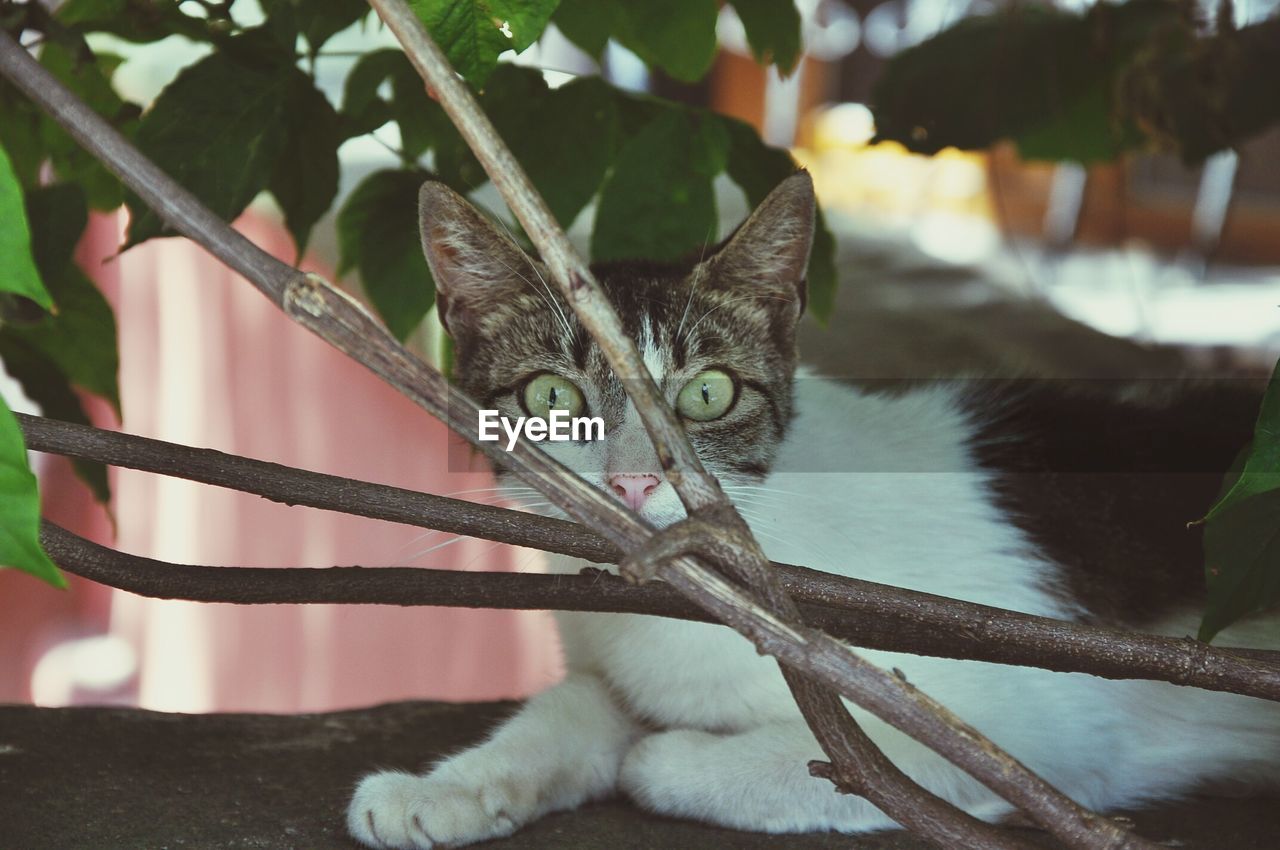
(1140, 268)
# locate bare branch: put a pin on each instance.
(402, 586)
(314, 489)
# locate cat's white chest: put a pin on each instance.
(892, 497)
(674, 673)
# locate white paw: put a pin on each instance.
(399, 811)
(659, 765)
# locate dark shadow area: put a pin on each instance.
(123, 779)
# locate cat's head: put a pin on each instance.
(717, 332)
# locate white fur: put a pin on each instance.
(687, 720)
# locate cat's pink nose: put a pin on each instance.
(634, 487)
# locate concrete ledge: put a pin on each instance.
(122, 779)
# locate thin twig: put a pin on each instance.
(292, 486)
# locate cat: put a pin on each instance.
(960, 489)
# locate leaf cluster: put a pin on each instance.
(1063, 85)
(1242, 530)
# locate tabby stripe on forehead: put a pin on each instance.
(579, 345)
(679, 351)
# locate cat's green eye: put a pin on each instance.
(549, 392)
(708, 396)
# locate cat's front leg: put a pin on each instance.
(560, 750)
(759, 780)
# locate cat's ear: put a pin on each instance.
(770, 250)
(476, 267)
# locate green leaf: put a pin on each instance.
(378, 237)
(89, 76)
(821, 277)
(139, 21)
(363, 111)
(1080, 130)
(568, 169)
(1261, 470)
(217, 130)
(678, 36)
(20, 134)
(659, 203)
(1242, 531)
(319, 20)
(57, 216)
(1043, 77)
(322, 21)
(305, 178)
(565, 138)
(422, 122)
(1242, 561)
(1198, 94)
(45, 384)
(80, 337)
(471, 32)
(773, 31)
(525, 18)
(752, 164)
(281, 26)
(587, 23)
(758, 168)
(20, 507)
(18, 273)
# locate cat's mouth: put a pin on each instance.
(648, 495)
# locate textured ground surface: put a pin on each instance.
(117, 779)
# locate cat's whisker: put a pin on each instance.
(759, 503)
(528, 557)
(546, 296)
(550, 296)
(495, 496)
(700, 272)
(564, 319)
(534, 507)
(753, 516)
(416, 539)
(436, 548)
(498, 489)
(731, 301)
(530, 507)
(729, 488)
(483, 551)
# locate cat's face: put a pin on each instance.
(717, 334)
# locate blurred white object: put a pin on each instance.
(954, 237)
(90, 670)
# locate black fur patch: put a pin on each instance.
(1105, 484)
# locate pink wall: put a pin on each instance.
(207, 361)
